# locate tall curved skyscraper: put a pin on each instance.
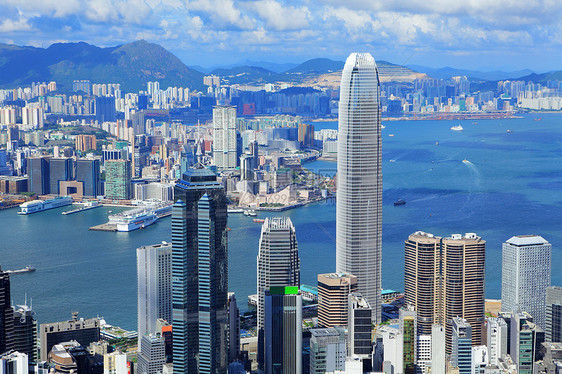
(359, 179)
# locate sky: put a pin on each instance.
(474, 34)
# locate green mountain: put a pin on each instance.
(131, 65)
(317, 66)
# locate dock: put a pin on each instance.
(104, 227)
(80, 209)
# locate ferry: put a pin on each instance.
(235, 210)
(457, 128)
(259, 220)
(250, 213)
(27, 269)
(399, 202)
(41, 205)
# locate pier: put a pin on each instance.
(104, 227)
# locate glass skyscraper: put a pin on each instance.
(359, 179)
(199, 274)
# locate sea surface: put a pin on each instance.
(511, 185)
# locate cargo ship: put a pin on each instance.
(41, 205)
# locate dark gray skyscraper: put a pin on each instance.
(359, 180)
(6, 314)
(199, 274)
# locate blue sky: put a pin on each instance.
(479, 34)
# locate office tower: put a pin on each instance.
(224, 137)
(423, 353)
(526, 339)
(526, 275)
(359, 328)
(388, 352)
(116, 363)
(6, 314)
(60, 170)
(359, 203)
(553, 314)
(333, 292)
(463, 282)
(306, 135)
(105, 109)
(461, 350)
(496, 331)
(84, 143)
(14, 363)
(233, 328)
(283, 330)
(38, 171)
(327, 350)
(438, 363)
(154, 286)
(213, 313)
(25, 332)
(278, 264)
(88, 172)
(480, 359)
(278, 259)
(409, 333)
(84, 331)
(423, 280)
(118, 179)
(151, 357)
(443, 279)
(199, 214)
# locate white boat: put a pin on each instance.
(35, 206)
(457, 128)
(235, 210)
(466, 161)
(136, 221)
(392, 161)
(250, 213)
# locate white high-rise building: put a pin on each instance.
(359, 179)
(438, 358)
(423, 354)
(526, 262)
(154, 271)
(224, 137)
(496, 338)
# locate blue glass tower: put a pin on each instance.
(199, 274)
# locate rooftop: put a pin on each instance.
(521, 240)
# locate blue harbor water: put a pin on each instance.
(511, 185)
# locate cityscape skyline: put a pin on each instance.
(510, 34)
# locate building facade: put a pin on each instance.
(118, 179)
(461, 353)
(25, 332)
(328, 350)
(199, 273)
(526, 275)
(333, 303)
(283, 330)
(225, 151)
(154, 286)
(6, 314)
(359, 182)
(443, 279)
(553, 314)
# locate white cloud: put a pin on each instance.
(223, 13)
(280, 17)
(18, 25)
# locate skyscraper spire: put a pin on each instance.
(359, 180)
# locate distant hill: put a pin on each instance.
(131, 65)
(317, 66)
(542, 78)
(247, 74)
(448, 72)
